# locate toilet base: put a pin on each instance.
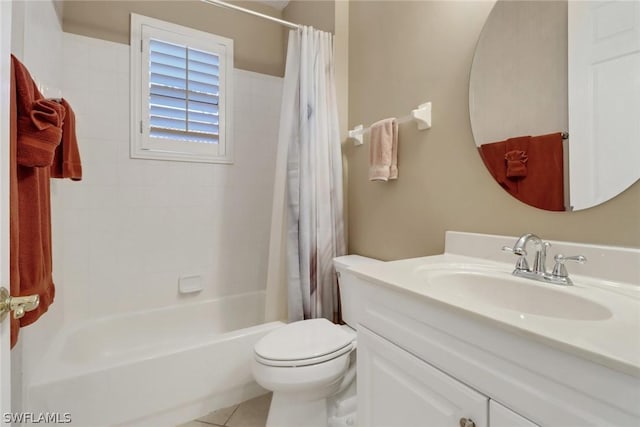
(302, 410)
(289, 411)
(342, 408)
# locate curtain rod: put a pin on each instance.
(252, 12)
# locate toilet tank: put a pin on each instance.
(348, 283)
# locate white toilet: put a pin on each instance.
(310, 365)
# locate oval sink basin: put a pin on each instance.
(515, 294)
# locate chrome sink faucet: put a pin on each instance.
(557, 276)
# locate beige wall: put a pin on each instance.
(258, 43)
(405, 53)
(319, 14)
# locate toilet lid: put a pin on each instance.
(306, 339)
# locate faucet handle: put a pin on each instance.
(559, 270)
(577, 258)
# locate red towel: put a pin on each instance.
(516, 163)
(39, 121)
(66, 162)
(35, 134)
(14, 271)
(493, 158)
(542, 184)
(517, 156)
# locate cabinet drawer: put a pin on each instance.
(499, 416)
(395, 388)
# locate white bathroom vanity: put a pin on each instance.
(457, 340)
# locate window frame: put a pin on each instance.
(142, 146)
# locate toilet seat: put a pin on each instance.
(303, 343)
(290, 363)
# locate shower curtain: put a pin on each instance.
(307, 221)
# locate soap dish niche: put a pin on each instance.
(190, 284)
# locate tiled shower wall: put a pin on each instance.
(131, 228)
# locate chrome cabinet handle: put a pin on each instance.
(19, 305)
(467, 422)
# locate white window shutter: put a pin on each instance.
(183, 93)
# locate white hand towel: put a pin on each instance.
(383, 150)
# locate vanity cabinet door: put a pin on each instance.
(396, 389)
(500, 416)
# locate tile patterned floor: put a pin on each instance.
(252, 413)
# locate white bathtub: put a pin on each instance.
(155, 368)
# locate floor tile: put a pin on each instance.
(219, 417)
(252, 413)
(194, 424)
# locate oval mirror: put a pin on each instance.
(554, 100)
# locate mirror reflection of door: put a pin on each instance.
(604, 96)
(520, 106)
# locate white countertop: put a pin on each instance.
(613, 342)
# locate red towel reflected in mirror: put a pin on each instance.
(530, 168)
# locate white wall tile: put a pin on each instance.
(75, 55)
(138, 225)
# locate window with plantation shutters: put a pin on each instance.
(183, 93)
(183, 100)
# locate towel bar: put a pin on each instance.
(421, 116)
